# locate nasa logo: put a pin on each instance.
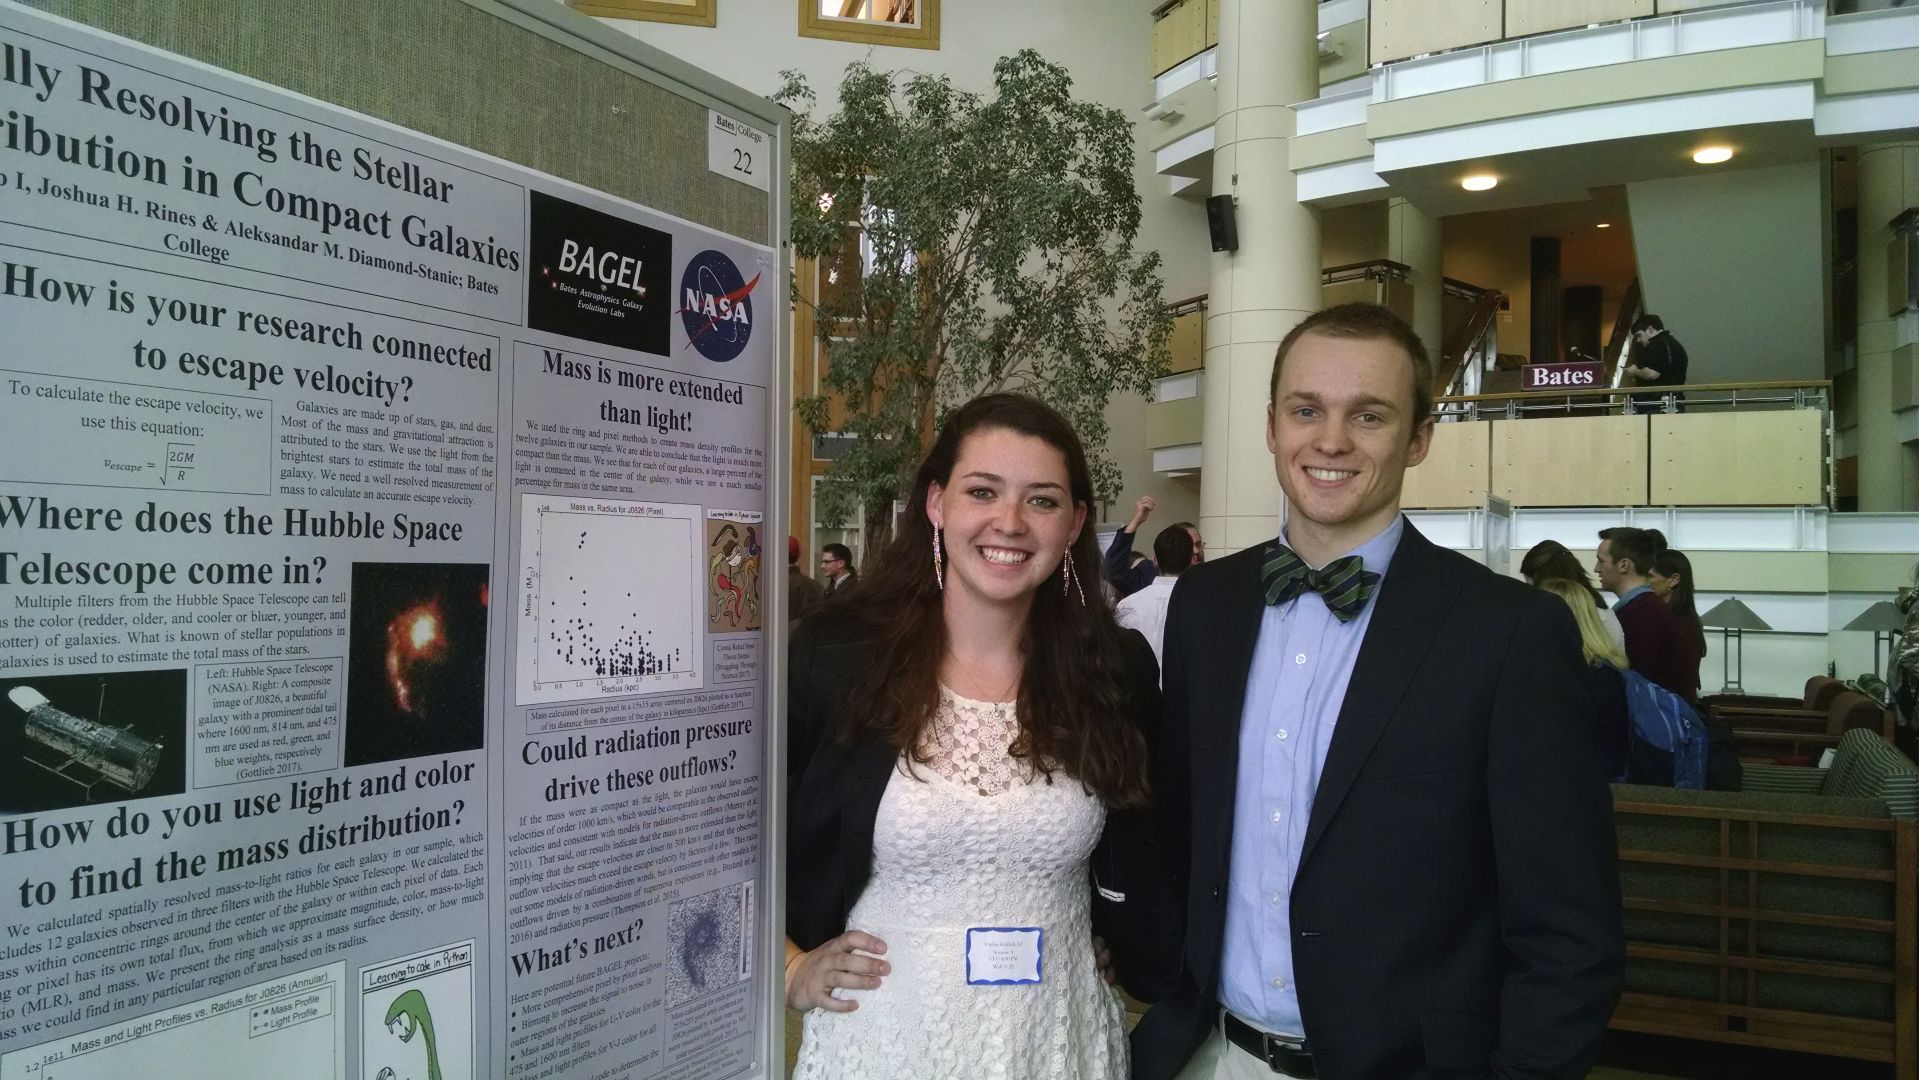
(716, 306)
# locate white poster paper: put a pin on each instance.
(382, 531)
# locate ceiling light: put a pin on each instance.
(1480, 182)
(1712, 155)
(1605, 224)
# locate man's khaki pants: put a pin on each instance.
(1217, 1059)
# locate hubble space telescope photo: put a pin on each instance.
(416, 660)
(71, 740)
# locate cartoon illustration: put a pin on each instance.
(406, 1017)
(733, 575)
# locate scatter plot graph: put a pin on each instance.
(609, 599)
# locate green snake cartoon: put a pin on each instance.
(410, 1013)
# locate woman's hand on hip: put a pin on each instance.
(811, 977)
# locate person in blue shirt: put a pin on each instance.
(1381, 757)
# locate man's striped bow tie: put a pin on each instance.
(1345, 583)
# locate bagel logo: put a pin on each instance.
(716, 306)
(599, 277)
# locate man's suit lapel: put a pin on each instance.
(1230, 639)
(1410, 606)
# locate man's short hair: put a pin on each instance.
(1639, 546)
(1173, 549)
(1365, 322)
(1648, 322)
(840, 552)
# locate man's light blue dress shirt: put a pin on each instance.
(1301, 667)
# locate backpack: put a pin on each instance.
(1667, 743)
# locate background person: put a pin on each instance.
(1604, 661)
(836, 562)
(1145, 610)
(1659, 646)
(960, 742)
(1671, 581)
(1658, 360)
(1549, 560)
(1125, 570)
(803, 594)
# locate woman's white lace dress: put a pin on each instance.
(975, 839)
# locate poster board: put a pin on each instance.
(387, 675)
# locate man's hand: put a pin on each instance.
(1103, 960)
(811, 977)
(1142, 510)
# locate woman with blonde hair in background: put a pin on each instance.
(1549, 559)
(1604, 663)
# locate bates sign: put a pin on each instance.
(1582, 376)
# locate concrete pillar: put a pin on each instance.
(1888, 185)
(1268, 61)
(1413, 238)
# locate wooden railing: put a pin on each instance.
(1466, 343)
(1629, 307)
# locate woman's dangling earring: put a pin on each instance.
(1070, 582)
(939, 560)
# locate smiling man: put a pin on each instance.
(1381, 753)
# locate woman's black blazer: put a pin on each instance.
(834, 790)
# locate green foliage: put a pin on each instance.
(998, 237)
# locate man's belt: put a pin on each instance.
(1283, 1056)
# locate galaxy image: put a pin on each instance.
(416, 681)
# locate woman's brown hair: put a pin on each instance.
(1550, 561)
(1076, 707)
(1671, 563)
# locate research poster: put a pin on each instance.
(383, 631)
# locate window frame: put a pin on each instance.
(696, 13)
(924, 36)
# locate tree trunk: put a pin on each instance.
(877, 524)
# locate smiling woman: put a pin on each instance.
(966, 740)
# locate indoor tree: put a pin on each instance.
(986, 244)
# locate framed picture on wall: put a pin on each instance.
(689, 12)
(913, 24)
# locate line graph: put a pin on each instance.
(608, 599)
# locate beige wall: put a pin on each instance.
(1488, 251)
(1108, 56)
(1732, 262)
(1350, 234)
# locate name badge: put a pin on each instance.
(1003, 955)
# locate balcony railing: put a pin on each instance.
(1404, 29)
(1629, 401)
(1737, 444)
